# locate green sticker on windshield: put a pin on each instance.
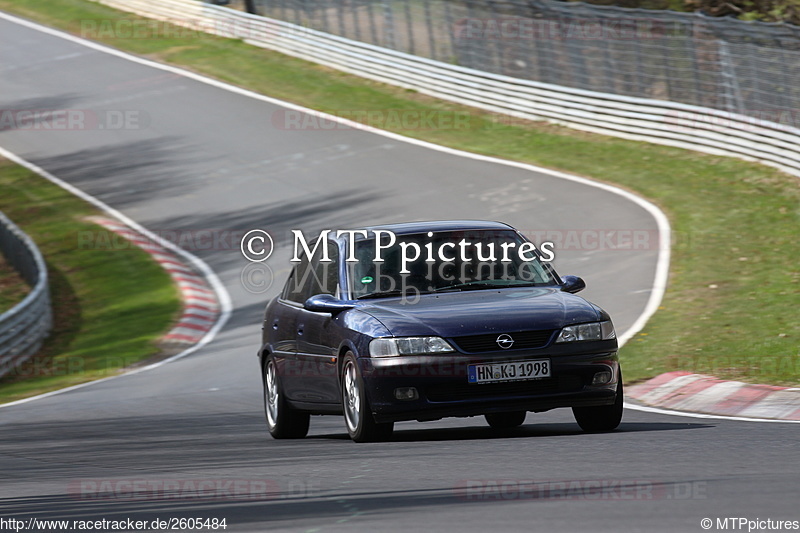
(366, 280)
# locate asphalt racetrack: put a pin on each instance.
(188, 438)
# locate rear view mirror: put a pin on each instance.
(326, 303)
(572, 284)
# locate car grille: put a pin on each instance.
(467, 391)
(488, 342)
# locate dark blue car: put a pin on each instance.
(422, 321)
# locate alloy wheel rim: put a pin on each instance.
(352, 399)
(271, 392)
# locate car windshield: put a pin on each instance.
(445, 261)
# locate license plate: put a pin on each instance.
(509, 371)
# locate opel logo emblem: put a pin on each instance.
(505, 341)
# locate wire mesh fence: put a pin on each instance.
(749, 68)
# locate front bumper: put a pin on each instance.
(443, 389)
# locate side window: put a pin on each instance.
(287, 289)
(328, 272)
(314, 277)
(294, 287)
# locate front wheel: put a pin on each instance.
(283, 421)
(361, 425)
(602, 417)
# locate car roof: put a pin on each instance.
(410, 228)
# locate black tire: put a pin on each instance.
(360, 423)
(506, 420)
(283, 421)
(603, 417)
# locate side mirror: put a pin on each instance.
(326, 303)
(572, 284)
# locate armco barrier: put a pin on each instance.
(663, 122)
(25, 326)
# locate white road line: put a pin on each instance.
(659, 411)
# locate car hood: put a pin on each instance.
(482, 311)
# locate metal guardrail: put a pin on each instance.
(24, 327)
(659, 121)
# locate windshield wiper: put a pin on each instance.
(477, 285)
(388, 294)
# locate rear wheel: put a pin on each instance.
(506, 420)
(283, 421)
(602, 417)
(361, 425)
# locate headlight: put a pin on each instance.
(594, 331)
(408, 346)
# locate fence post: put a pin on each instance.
(733, 96)
(388, 24)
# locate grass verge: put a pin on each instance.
(735, 279)
(109, 306)
(12, 287)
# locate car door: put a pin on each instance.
(287, 333)
(318, 336)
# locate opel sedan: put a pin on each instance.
(422, 321)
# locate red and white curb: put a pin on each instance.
(683, 391)
(201, 308)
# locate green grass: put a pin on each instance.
(12, 287)
(109, 306)
(736, 223)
